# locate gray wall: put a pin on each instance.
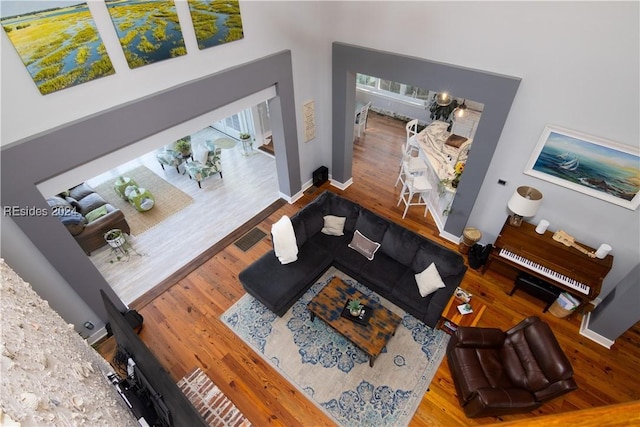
(495, 91)
(29, 162)
(620, 310)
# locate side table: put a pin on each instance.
(451, 318)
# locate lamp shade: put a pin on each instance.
(525, 201)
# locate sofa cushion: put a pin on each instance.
(90, 202)
(73, 202)
(447, 261)
(371, 225)
(59, 205)
(299, 230)
(407, 294)
(429, 280)
(364, 246)
(332, 243)
(333, 225)
(74, 222)
(400, 244)
(382, 273)
(96, 213)
(339, 206)
(81, 191)
(313, 217)
(277, 285)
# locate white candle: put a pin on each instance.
(603, 250)
(542, 226)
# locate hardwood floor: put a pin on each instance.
(183, 329)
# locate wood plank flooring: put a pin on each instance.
(183, 329)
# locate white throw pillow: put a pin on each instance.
(200, 154)
(333, 225)
(429, 280)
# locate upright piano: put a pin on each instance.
(522, 249)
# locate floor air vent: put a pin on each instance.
(247, 241)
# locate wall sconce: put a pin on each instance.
(524, 202)
(443, 99)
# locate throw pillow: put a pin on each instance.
(455, 140)
(364, 246)
(74, 222)
(200, 154)
(96, 213)
(429, 280)
(333, 225)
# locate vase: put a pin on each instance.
(455, 182)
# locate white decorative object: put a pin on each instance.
(603, 250)
(542, 226)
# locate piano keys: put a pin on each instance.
(522, 249)
(547, 272)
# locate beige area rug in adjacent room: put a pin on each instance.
(168, 199)
(216, 408)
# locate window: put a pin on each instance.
(399, 91)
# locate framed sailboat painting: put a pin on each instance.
(593, 166)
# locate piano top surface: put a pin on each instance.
(541, 248)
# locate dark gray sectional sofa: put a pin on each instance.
(391, 273)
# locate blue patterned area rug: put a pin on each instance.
(333, 372)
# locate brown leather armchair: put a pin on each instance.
(498, 373)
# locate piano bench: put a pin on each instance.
(537, 288)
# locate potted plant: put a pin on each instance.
(355, 307)
(247, 142)
(183, 145)
(115, 238)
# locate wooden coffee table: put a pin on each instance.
(370, 338)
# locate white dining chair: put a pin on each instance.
(410, 165)
(412, 139)
(361, 120)
(414, 186)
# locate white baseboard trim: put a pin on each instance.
(97, 336)
(593, 336)
(340, 185)
(450, 237)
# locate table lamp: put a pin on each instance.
(524, 202)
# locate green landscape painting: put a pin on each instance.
(57, 41)
(149, 30)
(216, 21)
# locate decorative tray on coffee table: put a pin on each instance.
(363, 318)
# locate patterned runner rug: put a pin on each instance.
(334, 373)
(213, 405)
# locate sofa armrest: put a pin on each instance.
(478, 337)
(556, 389)
(493, 401)
(101, 224)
